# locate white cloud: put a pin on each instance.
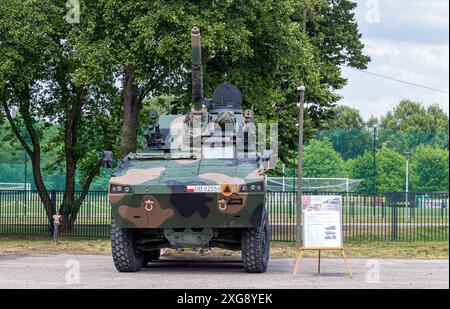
(426, 64)
(420, 20)
(401, 55)
(417, 13)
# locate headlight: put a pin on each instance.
(259, 187)
(118, 189)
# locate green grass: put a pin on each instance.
(39, 230)
(22, 245)
(279, 233)
(375, 250)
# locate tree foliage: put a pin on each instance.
(346, 130)
(429, 170)
(411, 124)
(390, 171)
(320, 160)
(346, 118)
(38, 78)
(265, 47)
(410, 116)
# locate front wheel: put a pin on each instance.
(126, 258)
(256, 247)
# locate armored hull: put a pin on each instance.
(199, 182)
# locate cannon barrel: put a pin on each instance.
(197, 69)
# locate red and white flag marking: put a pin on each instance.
(204, 189)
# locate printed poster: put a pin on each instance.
(322, 221)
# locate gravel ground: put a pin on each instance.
(60, 271)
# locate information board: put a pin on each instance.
(322, 221)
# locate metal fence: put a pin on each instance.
(392, 216)
(22, 213)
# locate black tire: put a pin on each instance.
(151, 256)
(125, 257)
(256, 247)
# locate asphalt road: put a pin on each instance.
(82, 271)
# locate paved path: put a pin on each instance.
(55, 271)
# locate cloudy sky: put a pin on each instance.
(407, 40)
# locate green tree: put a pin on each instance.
(264, 47)
(345, 117)
(349, 143)
(410, 125)
(410, 116)
(390, 171)
(333, 33)
(346, 130)
(430, 170)
(25, 33)
(40, 76)
(372, 122)
(64, 73)
(320, 160)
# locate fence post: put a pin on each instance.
(394, 217)
(53, 211)
(289, 198)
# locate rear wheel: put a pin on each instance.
(256, 247)
(151, 256)
(126, 258)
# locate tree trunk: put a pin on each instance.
(40, 186)
(66, 209)
(70, 215)
(131, 102)
(73, 114)
(71, 165)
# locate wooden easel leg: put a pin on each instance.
(318, 269)
(346, 264)
(297, 264)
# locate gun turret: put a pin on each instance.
(153, 133)
(197, 70)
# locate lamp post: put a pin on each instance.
(374, 150)
(407, 186)
(300, 157)
(375, 130)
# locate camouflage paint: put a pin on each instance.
(158, 197)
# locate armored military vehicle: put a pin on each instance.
(199, 183)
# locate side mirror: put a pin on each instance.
(107, 159)
(268, 160)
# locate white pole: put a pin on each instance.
(284, 179)
(300, 163)
(348, 185)
(407, 189)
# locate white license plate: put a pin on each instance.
(204, 189)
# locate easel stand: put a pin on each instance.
(303, 249)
